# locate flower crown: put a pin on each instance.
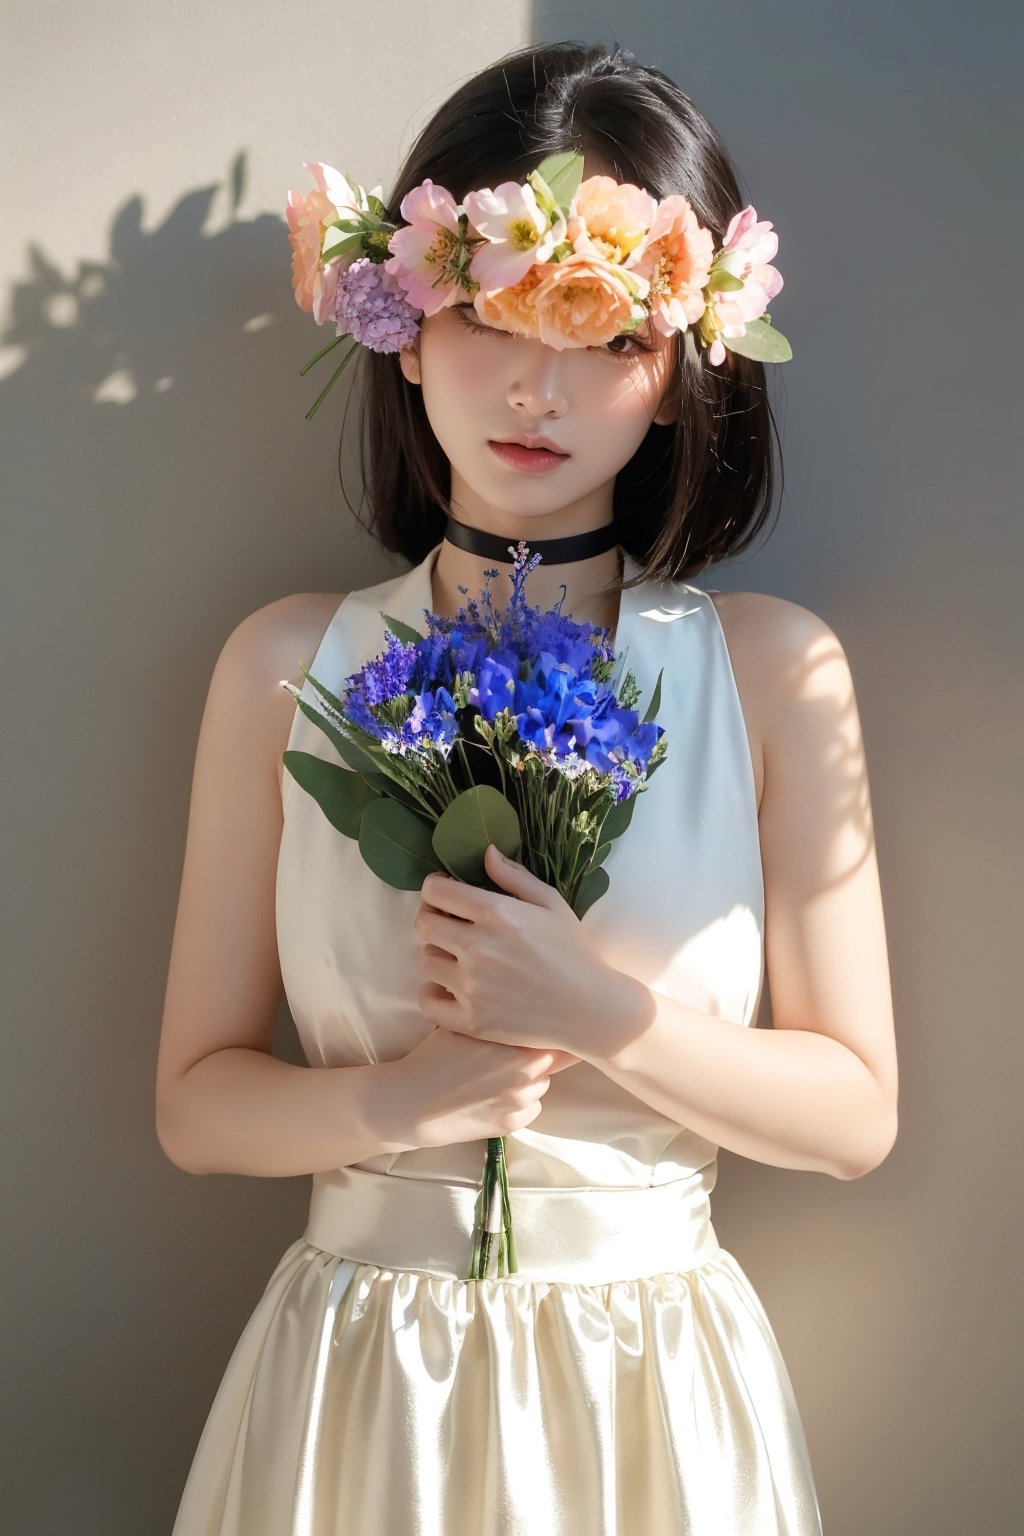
(571, 262)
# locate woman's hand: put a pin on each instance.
(516, 971)
(452, 1088)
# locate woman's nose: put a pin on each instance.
(537, 386)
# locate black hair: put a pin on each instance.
(695, 491)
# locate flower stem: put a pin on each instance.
(349, 355)
(493, 1216)
(322, 353)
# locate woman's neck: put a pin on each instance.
(583, 580)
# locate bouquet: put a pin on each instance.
(505, 729)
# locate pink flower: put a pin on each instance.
(429, 252)
(516, 230)
(746, 252)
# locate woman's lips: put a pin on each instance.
(533, 460)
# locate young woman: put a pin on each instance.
(626, 1379)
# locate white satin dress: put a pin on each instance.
(626, 1380)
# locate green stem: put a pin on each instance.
(341, 366)
(513, 1265)
(314, 360)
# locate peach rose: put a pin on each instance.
(513, 309)
(584, 301)
(610, 219)
(309, 214)
(676, 260)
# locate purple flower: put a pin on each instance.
(370, 306)
(546, 674)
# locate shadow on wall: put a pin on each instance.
(160, 483)
(151, 406)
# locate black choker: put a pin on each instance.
(577, 546)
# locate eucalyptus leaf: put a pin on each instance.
(655, 704)
(396, 844)
(405, 632)
(478, 816)
(340, 794)
(365, 759)
(762, 343)
(593, 885)
(384, 784)
(601, 852)
(618, 818)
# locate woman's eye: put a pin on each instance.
(633, 346)
(465, 316)
(627, 336)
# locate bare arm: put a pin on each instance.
(245, 1111)
(817, 1091)
(224, 1102)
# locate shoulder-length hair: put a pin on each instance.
(695, 491)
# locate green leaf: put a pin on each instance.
(762, 342)
(618, 818)
(593, 885)
(478, 816)
(405, 632)
(563, 174)
(655, 704)
(384, 784)
(325, 693)
(724, 281)
(396, 844)
(363, 758)
(350, 752)
(340, 794)
(357, 747)
(338, 244)
(600, 854)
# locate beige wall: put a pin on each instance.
(161, 482)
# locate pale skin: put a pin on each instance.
(816, 1091)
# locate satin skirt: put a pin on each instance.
(624, 1382)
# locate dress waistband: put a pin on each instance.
(588, 1235)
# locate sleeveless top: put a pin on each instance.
(625, 1377)
(684, 911)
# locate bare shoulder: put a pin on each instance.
(270, 645)
(778, 649)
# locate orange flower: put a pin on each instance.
(610, 219)
(512, 309)
(585, 301)
(582, 301)
(676, 261)
(309, 214)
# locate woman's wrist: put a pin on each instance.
(381, 1107)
